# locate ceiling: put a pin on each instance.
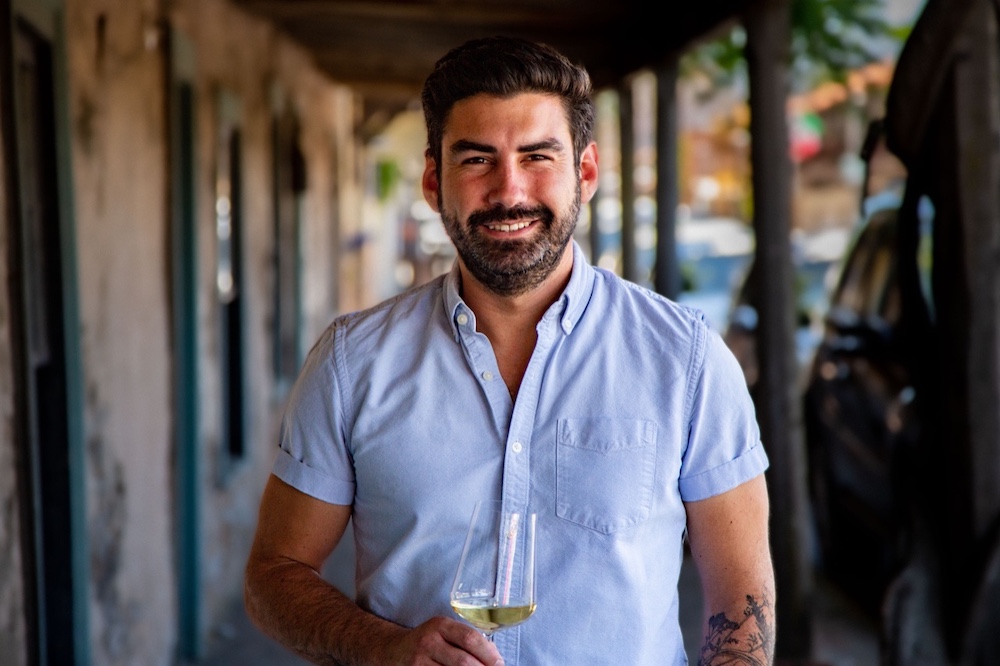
(385, 48)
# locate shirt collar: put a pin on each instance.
(453, 303)
(577, 293)
(573, 301)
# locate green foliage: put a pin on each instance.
(719, 60)
(387, 174)
(829, 38)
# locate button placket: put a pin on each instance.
(517, 468)
(517, 472)
(483, 365)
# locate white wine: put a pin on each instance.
(489, 618)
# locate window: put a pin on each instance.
(289, 188)
(229, 277)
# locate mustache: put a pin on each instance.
(501, 213)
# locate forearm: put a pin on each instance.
(292, 603)
(738, 626)
(729, 544)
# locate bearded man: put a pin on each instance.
(524, 375)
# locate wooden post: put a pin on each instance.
(627, 143)
(978, 179)
(777, 392)
(964, 173)
(667, 275)
(594, 232)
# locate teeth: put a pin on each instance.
(508, 227)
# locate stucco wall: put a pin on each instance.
(248, 59)
(119, 142)
(119, 170)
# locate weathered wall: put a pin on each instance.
(247, 59)
(119, 168)
(12, 621)
(119, 141)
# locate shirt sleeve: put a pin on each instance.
(313, 456)
(724, 448)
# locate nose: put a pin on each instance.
(508, 186)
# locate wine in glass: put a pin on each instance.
(495, 583)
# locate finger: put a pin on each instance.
(472, 641)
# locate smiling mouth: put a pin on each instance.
(516, 226)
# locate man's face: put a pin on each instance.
(509, 189)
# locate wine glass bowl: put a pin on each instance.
(494, 585)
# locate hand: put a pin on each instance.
(444, 641)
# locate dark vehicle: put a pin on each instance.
(813, 270)
(859, 414)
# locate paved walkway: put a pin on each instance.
(843, 635)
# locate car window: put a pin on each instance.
(867, 289)
(849, 292)
(925, 250)
(883, 302)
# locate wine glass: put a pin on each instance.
(495, 583)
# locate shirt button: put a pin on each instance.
(462, 319)
(516, 447)
(488, 376)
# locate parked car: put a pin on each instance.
(814, 266)
(709, 283)
(713, 254)
(860, 421)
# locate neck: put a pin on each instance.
(497, 311)
(509, 321)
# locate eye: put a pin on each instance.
(477, 159)
(538, 157)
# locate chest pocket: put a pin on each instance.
(604, 472)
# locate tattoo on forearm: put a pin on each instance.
(747, 641)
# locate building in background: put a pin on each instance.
(179, 186)
(185, 204)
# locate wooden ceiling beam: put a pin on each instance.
(436, 11)
(386, 48)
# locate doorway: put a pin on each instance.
(46, 351)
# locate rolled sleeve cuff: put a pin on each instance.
(725, 477)
(316, 484)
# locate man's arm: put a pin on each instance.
(728, 535)
(287, 598)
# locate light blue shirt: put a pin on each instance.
(630, 406)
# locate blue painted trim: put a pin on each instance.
(74, 355)
(184, 233)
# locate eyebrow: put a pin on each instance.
(464, 146)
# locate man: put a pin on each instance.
(525, 375)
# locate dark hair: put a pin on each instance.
(504, 67)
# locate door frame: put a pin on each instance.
(47, 19)
(182, 116)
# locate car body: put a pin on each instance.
(860, 420)
(815, 258)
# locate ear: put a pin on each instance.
(588, 173)
(430, 184)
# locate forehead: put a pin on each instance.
(521, 116)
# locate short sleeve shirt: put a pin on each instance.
(629, 407)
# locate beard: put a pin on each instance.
(512, 267)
